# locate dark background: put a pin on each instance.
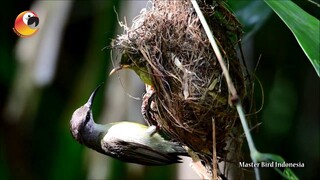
(35, 142)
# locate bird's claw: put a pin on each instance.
(148, 105)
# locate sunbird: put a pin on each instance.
(126, 141)
(140, 69)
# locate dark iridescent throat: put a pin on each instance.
(91, 133)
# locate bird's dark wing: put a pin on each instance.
(137, 153)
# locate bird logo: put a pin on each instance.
(26, 24)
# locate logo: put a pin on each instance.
(26, 24)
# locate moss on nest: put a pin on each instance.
(190, 91)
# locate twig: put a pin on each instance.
(234, 97)
(215, 47)
(214, 151)
(253, 151)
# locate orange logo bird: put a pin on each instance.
(26, 24)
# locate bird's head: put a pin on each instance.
(82, 117)
(127, 62)
(134, 63)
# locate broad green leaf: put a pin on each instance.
(304, 27)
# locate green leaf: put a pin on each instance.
(304, 27)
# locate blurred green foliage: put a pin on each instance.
(41, 147)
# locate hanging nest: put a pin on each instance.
(189, 90)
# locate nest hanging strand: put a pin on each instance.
(190, 91)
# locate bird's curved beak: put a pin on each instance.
(116, 69)
(91, 98)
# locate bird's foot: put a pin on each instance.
(148, 106)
